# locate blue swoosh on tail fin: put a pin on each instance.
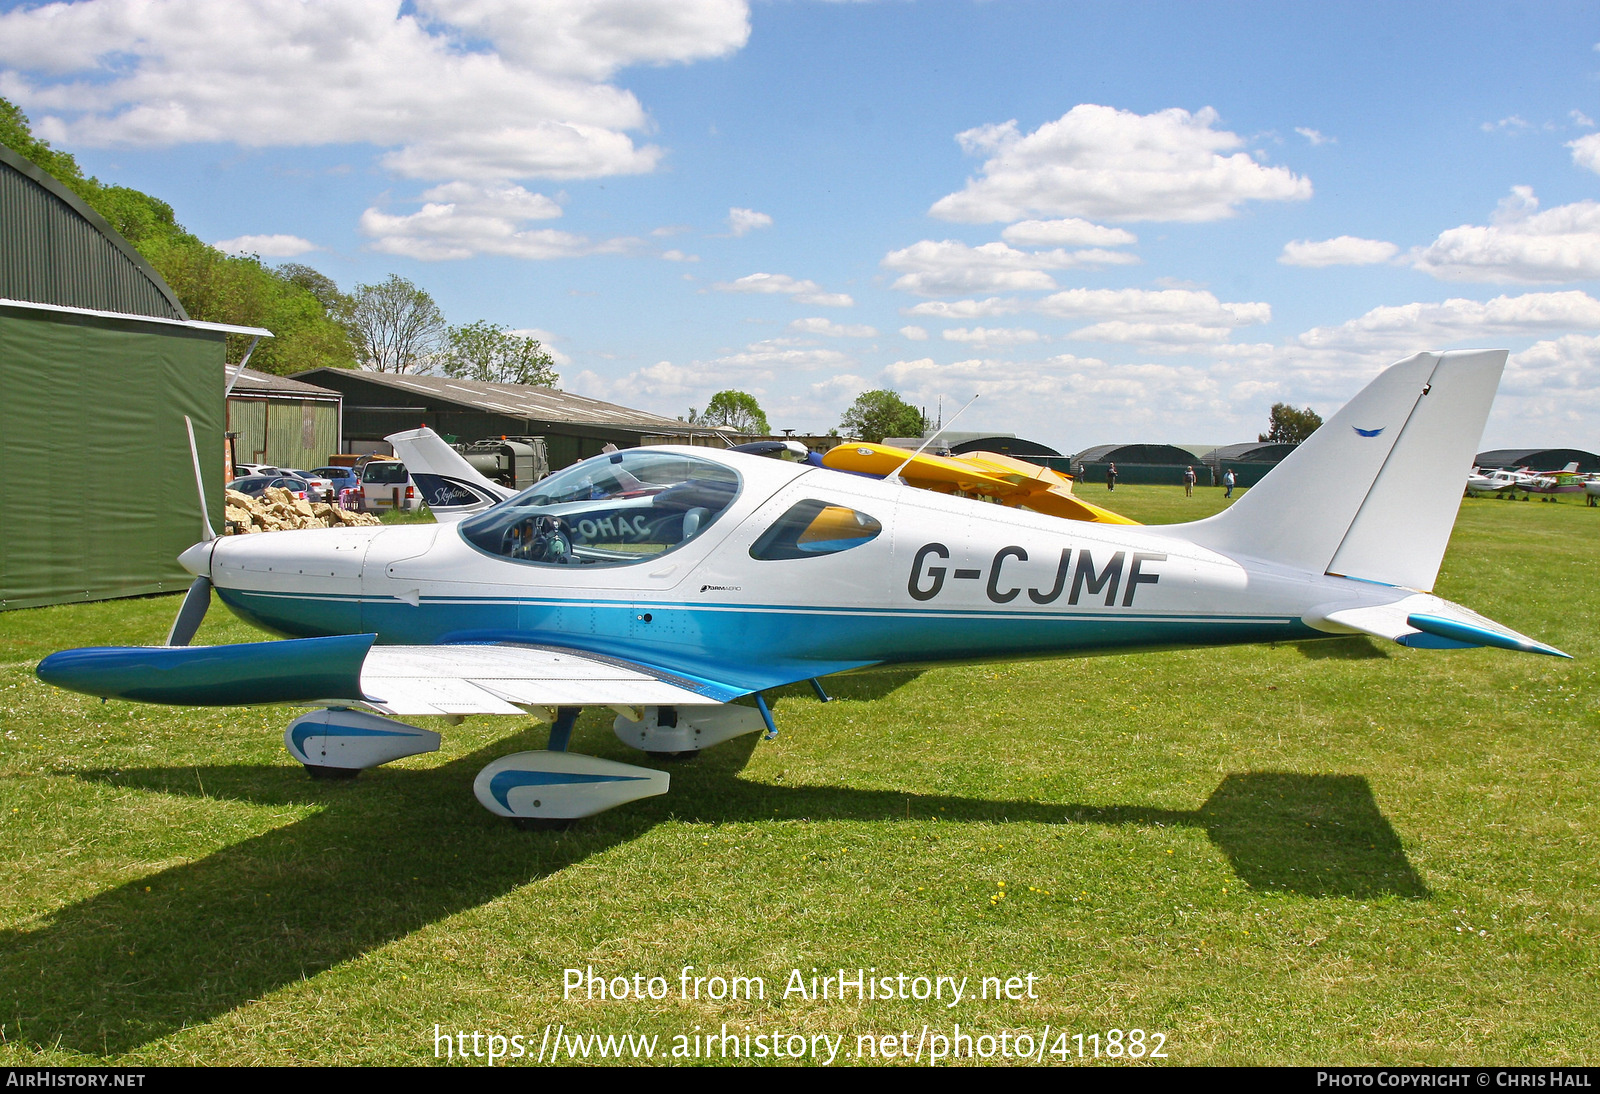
(1369, 432)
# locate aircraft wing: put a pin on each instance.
(1428, 622)
(504, 679)
(500, 678)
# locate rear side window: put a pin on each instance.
(385, 473)
(813, 528)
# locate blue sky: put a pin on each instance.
(1114, 221)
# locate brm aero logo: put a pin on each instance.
(1006, 582)
(1369, 432)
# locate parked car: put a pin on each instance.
(256, 485)
(340, 478)
(385, 485)
(322, 489)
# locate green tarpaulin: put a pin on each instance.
(97, 494)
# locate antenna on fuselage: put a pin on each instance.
(896, 472)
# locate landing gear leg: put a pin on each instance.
(561, 728)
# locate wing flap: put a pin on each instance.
(504, 679)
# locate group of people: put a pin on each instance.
(1228, 480)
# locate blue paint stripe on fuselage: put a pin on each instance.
(752, 646)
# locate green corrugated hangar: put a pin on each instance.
(99, 365)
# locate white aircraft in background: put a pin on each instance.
(668, 583)
(1482, 483)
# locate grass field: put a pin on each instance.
(1341, 852)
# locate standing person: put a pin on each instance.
(1188, 481)
(1228, 480)
(1111, 476)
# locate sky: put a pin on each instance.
(1112, 222)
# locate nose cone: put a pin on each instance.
(197, 559)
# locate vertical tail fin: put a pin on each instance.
(1373, 494)
(450, 485)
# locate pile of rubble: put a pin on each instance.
(277, 510)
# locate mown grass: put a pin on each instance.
(1338, 852)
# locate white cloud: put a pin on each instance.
(914, 334)
(1069, 400)
(1315, 137)
(461, 219)
(1168, 337)
(1107, 164)
(1155, 306)
(967, 309)
(804, 292)
(930, 268)
(1170, 320)
(1511, 124)
(477, 89)
(1339, 251)
(1070, 232)
(545, 340)
(741, 221)
(661, 384)
(676, 255)
(1410, 327)
(843, 385)
(1586, 151)
(1580, 119)
(776, 353)
(272, 246)
(830, 329)
(1519, 244)
(992, 336)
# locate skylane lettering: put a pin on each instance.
(1007, 577)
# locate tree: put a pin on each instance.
(396, 326)
(491, 353)
(736, 408)
(879, 414)
(1291, 426)
(319, 285)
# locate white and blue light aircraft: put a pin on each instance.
(668, 583)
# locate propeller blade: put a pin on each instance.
(195, 603)
(200, 486)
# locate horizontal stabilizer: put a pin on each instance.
(1427, 622)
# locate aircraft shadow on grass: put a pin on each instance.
(402, 848)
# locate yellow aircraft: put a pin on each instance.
(986, 475)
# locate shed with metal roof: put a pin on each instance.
(574, 427)
(1249, 460)
(1147, 463)
(1539, 459)
(282, 421)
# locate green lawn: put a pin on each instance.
(1343, 852)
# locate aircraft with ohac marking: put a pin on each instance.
(669, 583)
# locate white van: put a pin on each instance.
(386, 485)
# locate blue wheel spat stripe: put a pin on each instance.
(322, 729)
(506, 781)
